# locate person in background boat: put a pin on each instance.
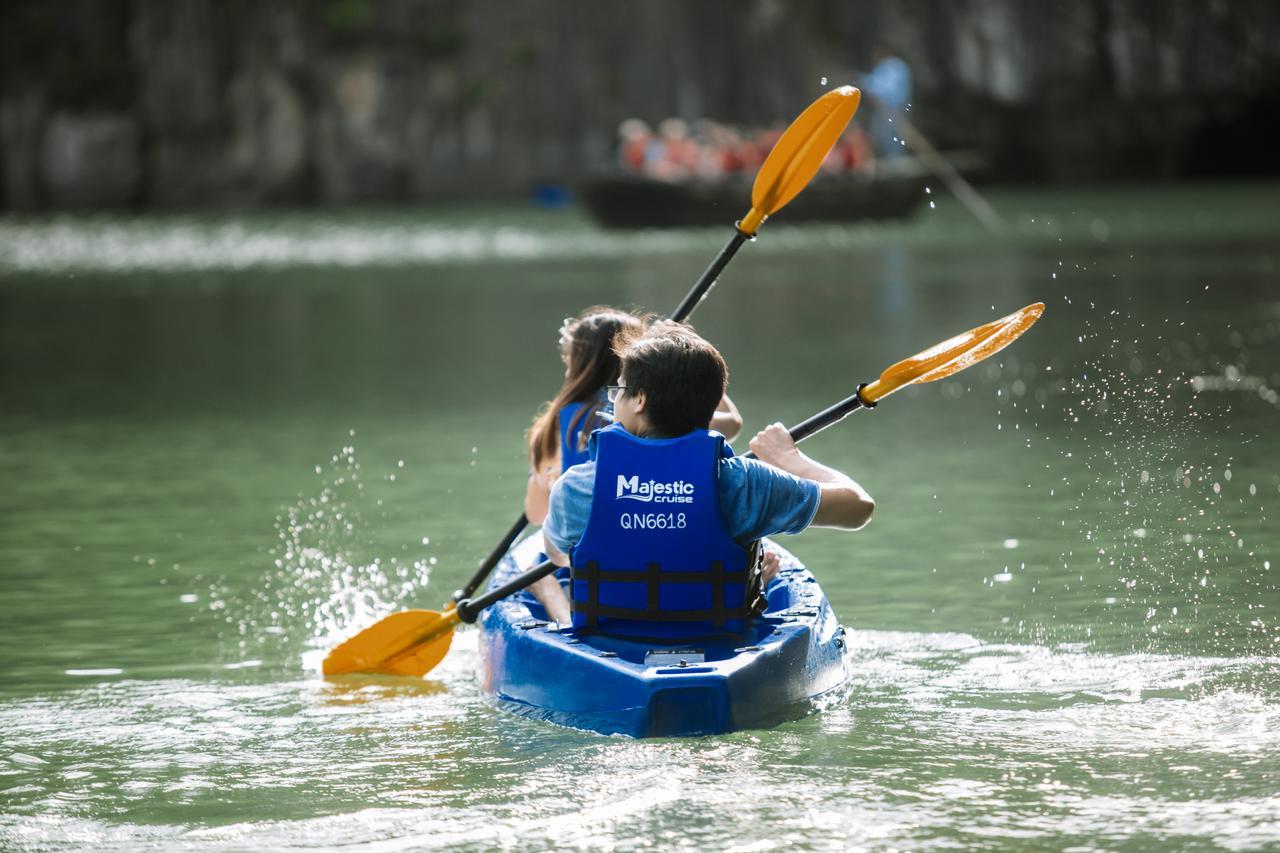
(678, 153)
(888, 88)
(558, 437)
(669, 384)
(712, 145)
(715, 152)
(634, 141)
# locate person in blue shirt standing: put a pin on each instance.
(888, 85)
(558, 436)
(650, 507)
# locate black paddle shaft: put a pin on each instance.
(493, 558)
(700, 289)
(709, 277)
(827, 417)
(469, 610)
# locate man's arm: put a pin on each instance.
(726, 420)
(842, 503)
(547, 590)
(567, 529)
(538, 490)
(553, 553)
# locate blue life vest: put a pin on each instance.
(656, 559)
(571, 450)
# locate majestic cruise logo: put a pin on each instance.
(651, 491)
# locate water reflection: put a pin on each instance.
(348, 689)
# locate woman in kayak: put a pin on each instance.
(659, 521)
(558, 437)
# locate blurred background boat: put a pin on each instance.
(894, 189)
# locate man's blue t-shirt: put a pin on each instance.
(756, 499)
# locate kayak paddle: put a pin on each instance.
(792, 163)
(412, 642)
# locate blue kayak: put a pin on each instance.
(791, 659)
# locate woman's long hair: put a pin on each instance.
(586, 348)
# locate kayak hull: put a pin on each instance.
(792, 658)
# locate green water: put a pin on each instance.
(226, 443)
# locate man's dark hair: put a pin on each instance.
(682, 376)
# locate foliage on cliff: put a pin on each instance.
(188, 103)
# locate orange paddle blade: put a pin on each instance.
(796, 156)
(419, 659)
(954, 355)
(410, 642)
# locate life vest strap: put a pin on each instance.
(653, 577)
(647, 615)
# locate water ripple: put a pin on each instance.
(944, 740)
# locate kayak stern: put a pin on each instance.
(792, 657)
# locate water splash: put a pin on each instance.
(1163, 541)
(326, 577)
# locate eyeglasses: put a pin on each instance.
(613, 392)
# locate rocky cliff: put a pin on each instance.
(199, 103)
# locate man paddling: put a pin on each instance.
(658, 525)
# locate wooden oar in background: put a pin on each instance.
(939, 165)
